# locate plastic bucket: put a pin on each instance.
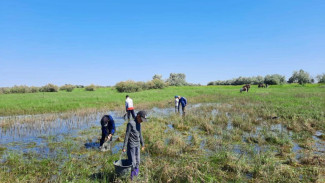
(122, 167)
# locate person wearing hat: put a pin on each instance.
(108, 130)
(183, 102)
(176, 104)
(129, 107)
(133, 139)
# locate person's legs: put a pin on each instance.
(102, 140)
(132, 159)
(133, 115)
(183, 110)
(128, 114)
(137, 156)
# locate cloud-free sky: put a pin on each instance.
(107, 41)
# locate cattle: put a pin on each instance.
(244, 88)
(247, 86)
(261, 85)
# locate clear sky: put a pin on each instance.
(107, 41)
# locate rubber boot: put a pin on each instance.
(136, 171)
(133, 174)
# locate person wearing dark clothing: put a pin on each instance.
(133, 139)
(182, 101)
(108, 129)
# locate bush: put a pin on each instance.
(19, 89)
(4, 90)
(240, 81)
(274, 79)
(300, 77)
(321, 78)
(130, 86)
(156, 84)
(67, 87)
(34, 89)
(91, 87)
(177, 79)
(49, 88)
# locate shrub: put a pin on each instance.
(49, 88)
(177, 79)
(157, 76)
(274, 79)
(156, 84)
(132, 86)
(67, 87)
(4, 90)
(129, 86)
(91, 87)
(34, 89)
(240, 81)
(19, 89)
(300, 77)
(321, 78)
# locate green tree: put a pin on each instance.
(274, 79)
(300, 77)
(321, 78)
(177, 79)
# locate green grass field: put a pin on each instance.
(290, 101)
(273, 134)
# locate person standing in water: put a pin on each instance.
(176, 104)
(129, 107)
(133, 139)
(182, 101)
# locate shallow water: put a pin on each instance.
(37, 136)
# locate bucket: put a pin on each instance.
(122, 167)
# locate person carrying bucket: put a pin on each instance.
(129, 107)
(183, 102)
(133, 140)
(108, 130)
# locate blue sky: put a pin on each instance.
(106, 41)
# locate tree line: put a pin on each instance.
(301, 77)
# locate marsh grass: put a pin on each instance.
(242, 138)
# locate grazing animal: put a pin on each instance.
(261, 85)
(247, 86)
(243, 89)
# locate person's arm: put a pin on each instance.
(112, 131)
(127, 134)
(185, 101)
(141, 139)
(126, 106)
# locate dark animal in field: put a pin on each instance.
(243, 89)
(261, 85)
(247, 86)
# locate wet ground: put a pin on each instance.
(38, 135)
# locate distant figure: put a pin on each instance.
(108, 130)
(176, 104)
(267, 85)
(129, 107)
(183, 102)
(243, 89)
(133, 139)
(247, 86)
(261, 85)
